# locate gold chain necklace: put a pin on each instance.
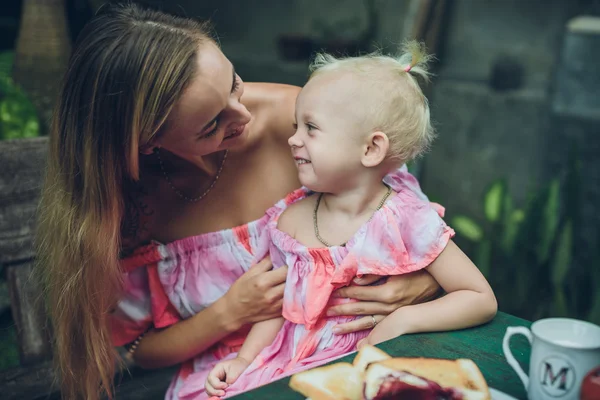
(178, 192)
(316, 223)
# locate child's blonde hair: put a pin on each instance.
(397, 106)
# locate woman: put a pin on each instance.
(154, 157)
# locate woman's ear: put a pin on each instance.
(375, 149)
(148, 148)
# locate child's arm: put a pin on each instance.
(470, 300)
(260, 336)
(227, 372)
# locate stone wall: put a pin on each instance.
(490, 130)
(249, 31)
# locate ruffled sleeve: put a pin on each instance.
(406, 235)
(144, 302)
(133, 314)
(264, 245)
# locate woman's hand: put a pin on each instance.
(375, 302)
(256, 296)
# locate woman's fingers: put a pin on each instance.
(276, 293)
(365, 293)
(367, 279)
(357, 325)
(274, 277)
(276, 309)
(262, 266)
(359, 308)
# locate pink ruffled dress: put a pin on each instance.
(166, 283)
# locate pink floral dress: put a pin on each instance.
(167, 283)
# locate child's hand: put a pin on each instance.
(223, 375)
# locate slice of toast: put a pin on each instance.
(367, 355)
(339, 381)
(460, 375)
(373, 367)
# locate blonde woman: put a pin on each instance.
(161, 167)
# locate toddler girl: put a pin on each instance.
(359, 212)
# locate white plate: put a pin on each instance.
(498, 395)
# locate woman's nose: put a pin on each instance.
(240, 114)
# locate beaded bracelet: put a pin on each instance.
(132, 347)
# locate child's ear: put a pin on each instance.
(375, 150)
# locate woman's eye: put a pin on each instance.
(212, 130)
(236, 85)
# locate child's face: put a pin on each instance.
(329, 136)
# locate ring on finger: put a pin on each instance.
(374, 320)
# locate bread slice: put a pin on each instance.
(460, 375)
(373, 368)
(367, 355)
(339, 381)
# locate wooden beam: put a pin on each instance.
(28, 314)
(22, 163)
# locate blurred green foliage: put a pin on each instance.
(527, 254)
(18, 117)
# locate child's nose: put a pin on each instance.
(294, 141)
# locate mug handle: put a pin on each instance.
(511, 331)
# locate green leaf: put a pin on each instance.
(549, 222)
(483, 257)
(31, 128)
(466, 227)
(562, 255)
(493, 201)
(511, 229)
(18, 116)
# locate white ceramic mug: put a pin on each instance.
(563, 350)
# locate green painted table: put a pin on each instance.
(482, 344)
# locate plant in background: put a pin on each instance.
(18, 117)
(527, 253)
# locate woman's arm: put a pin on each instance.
(255, 296)
(470, 300)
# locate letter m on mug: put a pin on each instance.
(557, 376)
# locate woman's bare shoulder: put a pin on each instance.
(272, 105)
(269, 94)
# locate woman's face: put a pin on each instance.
(209, 115)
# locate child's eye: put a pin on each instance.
(310, 127)
(295, 125)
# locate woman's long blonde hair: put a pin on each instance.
(129, 67)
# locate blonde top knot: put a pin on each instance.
(415, 59)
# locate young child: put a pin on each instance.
(358, 120)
